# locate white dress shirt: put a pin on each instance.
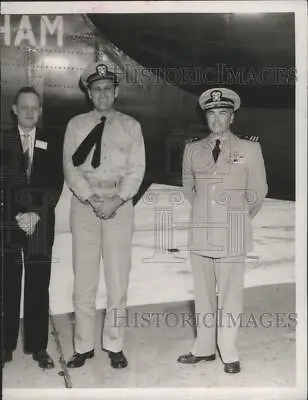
(31, 140)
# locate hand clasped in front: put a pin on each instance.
(106, 207)
(27, 222)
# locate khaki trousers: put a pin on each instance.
(93, 238)
(227, 275)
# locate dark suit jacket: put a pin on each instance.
(39, 193)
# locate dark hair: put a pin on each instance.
(26, 89)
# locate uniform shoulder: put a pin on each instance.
(126, 118)
(249, 138)
(78, 118)
(190, 140)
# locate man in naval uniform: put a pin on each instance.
(224, 179)
(104, 165)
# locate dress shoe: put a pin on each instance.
(43, 358)
(117, 360)
(233, 367)
(78, 359)
(192, 359)
(7, 356)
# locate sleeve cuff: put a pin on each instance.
(123, 196)
(84, 193)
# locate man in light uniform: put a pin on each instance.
(104, 165)
(224, 179)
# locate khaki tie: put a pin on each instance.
(26, 142)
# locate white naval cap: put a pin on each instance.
(219, 98)
(97, 71)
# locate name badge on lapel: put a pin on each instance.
(41, 144)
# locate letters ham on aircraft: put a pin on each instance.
(25, 34)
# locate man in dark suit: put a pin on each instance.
(32, 181)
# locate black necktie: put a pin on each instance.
(94, 138)
(216, 150)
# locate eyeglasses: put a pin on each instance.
(97, 90)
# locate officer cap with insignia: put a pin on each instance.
(96, 72)
(219, 98)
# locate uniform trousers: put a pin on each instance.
(94, 238)
(218, 317)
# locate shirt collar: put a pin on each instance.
(31, 133)
(108, 114)
(223, 138)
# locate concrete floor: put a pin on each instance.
(268, 354)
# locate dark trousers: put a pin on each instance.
(37, 268)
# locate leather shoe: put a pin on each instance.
(117, 360)
(43, 358)
(233, 367)
(78, 359)
(192, 359)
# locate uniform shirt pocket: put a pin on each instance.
(118, 154)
